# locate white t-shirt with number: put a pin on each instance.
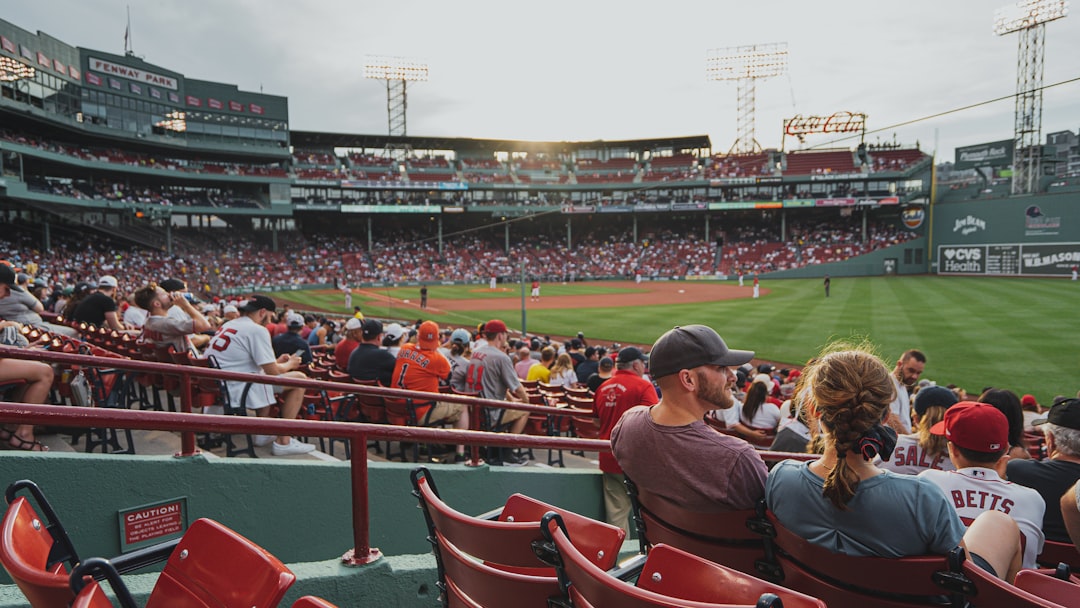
(242, 345)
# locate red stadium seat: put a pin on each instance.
(211, 567)
(723, 538)
(1055, 553)
(508, 572)
(670, 577)
(39, 554)
(1066, 593)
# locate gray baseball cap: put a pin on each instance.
(692, 346)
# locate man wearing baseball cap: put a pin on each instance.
(668, 450)
(345, 347)
(99, 308)
(369, 360)
(626, 388)
(421, 367)
(978, 436)
(290, 341)
(491, 375)
(243, 345)
(1051, 477)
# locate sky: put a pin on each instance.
(595, 69)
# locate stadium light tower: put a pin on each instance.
(397, 72)
(746, 65)
(1029, 18)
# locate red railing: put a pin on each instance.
(356, 433)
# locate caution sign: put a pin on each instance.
(154, 523)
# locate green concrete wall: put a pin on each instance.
(869, 265)
(297, 510)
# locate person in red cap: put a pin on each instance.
(421, 367)
(491, 375)
(978, 444)
(1032, 410)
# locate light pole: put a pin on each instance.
(397, 72)
(1029, 18)
(745, 65)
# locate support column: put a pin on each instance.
(708, 235)
(864, 237)
(47, 237)
(370, 241)
(168, 237)
(635, 229)
(783, 225)
(440, 237)
(273, 238)
(506, 234)
(569, 235)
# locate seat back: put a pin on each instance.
(1055, 553)
(507, 542)
(470, 583)
(992, 591)
(846, 581)
(670, 578)
(1066, 593)
(723, 538)
(372, 407)
(31, 556)
(213, 566)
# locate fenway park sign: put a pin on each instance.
(839, 122)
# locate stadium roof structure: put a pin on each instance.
(465, 145)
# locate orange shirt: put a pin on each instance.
(419, 370)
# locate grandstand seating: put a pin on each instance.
(820, 162)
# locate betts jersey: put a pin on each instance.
(976, 489)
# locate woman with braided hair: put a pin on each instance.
(847, 504)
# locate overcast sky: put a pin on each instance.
(593, 69)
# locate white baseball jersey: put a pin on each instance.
(911, 459)
(242, 345)
(976, 489)
(901, 406)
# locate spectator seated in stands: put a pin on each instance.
(163, 330)
(840, 501)
(1053, 476)
(923, 449)
(290, 342)
(243, 345)
(369, 361)
(36, 377)
(662, 447)
(344, 348)
(99, 308)
(491, 375)
(421, 367)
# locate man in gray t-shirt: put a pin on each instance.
(668, 450)
(491, 374)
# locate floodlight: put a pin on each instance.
(395, 68)
(750, 61)
(1028, 13)
(745, 65)
(12, 70)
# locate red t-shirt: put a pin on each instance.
(342, 352)
(622, 391)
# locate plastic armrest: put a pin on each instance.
(491, 515)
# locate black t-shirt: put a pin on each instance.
(93, 308)
(1050, 478)
(587, 368)
(288, 343)
(594, 381)
(369, 362)
(578, 359)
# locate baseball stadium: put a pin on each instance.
(126, 181)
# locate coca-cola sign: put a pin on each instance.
(839, 122)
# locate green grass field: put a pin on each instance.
(1019, 334)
